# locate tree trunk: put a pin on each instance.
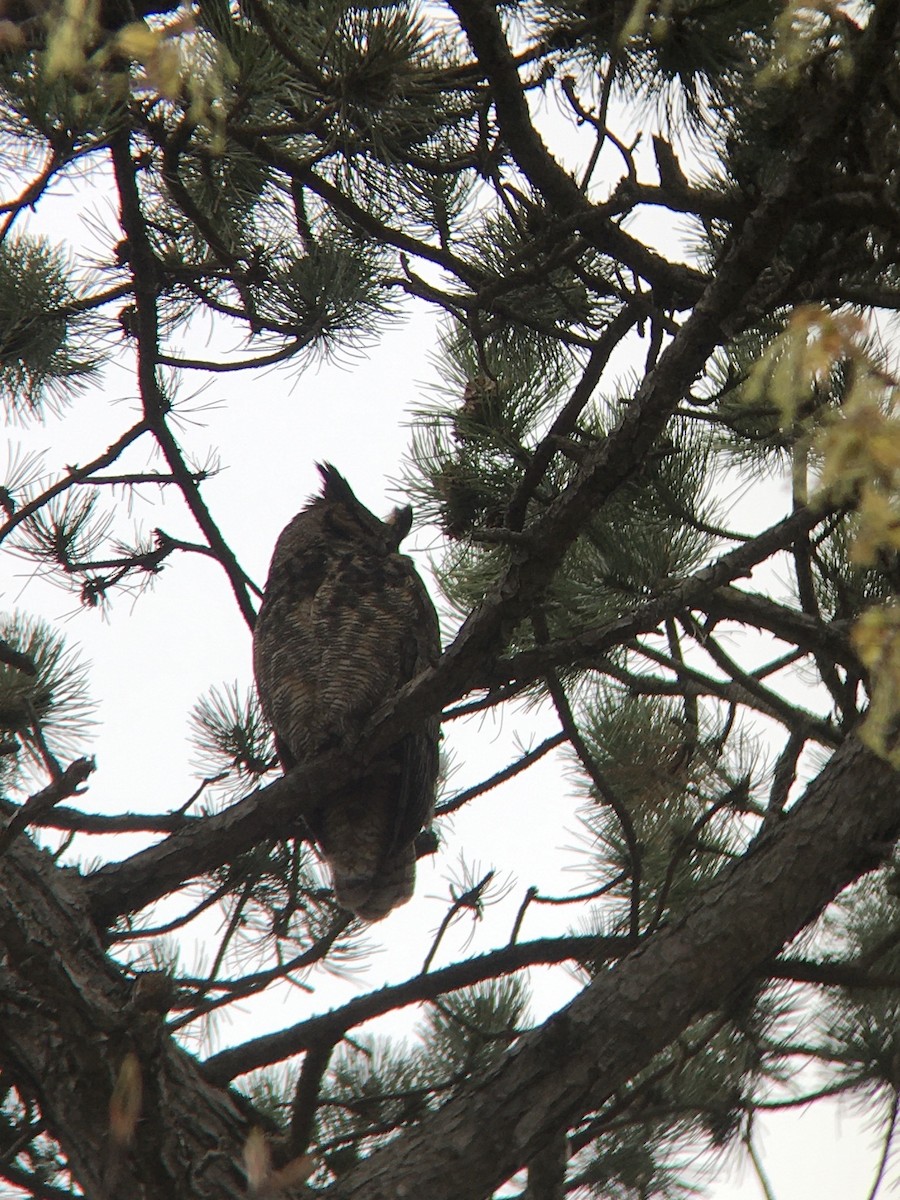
(69, 1018)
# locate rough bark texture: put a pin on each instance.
(69, 1017)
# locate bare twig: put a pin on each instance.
(67, 784)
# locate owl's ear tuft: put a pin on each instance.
(334, 485)
(400, 523)
(336, 489)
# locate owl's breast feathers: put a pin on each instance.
(345, 622)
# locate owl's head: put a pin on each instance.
(337, 490)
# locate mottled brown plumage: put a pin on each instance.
(344, 623)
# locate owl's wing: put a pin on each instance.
(285, 663)
(377, 629)
(419, 761)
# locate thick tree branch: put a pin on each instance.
(789, 624)
(693, 591)
(191, 852)
(273, 1047)
(38, 805)
(595, 1044)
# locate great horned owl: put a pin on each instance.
(344, 623)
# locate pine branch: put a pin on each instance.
(146, 272)
(606, 794)
(73, 475)
(306, 1095)
(568, 415)
(726, 603)
(481, 22)
(272, 1048)
(739, 285)
(521, 764)
(697, 591)
(749, 691)
(299, 170)
(15, 658)
(250, 985)
(831, 974)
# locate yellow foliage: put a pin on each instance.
(297, 1171)
(11, 36)
(879, 527)
(174, 60)
(796, 369)
(802, 29)
(857, 445)
(876, 639)
(860, 446)
(69, 37)
(138, 41)
(860, 450)
(636, 21)
(261, 1175)
(157, 53)
(257, 1159)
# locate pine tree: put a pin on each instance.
(720, 687)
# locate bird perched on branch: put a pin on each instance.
(345, 622)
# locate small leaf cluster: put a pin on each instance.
(45, 709)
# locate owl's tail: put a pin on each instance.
(373, 895)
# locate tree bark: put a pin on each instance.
(845, 823)
(69, 1018)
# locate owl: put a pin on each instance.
(345, 622)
